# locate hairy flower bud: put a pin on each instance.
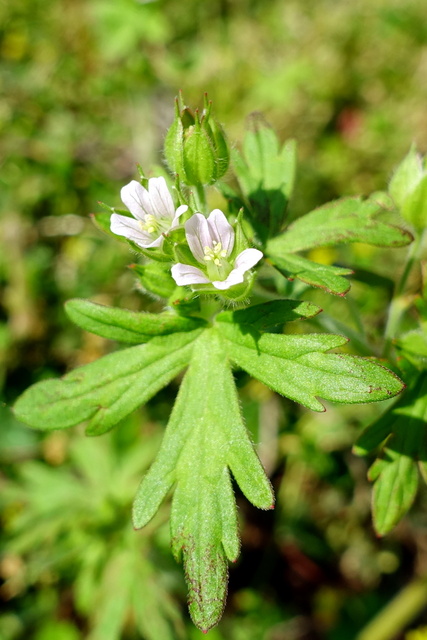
(195, 146)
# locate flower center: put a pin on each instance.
(215, 253)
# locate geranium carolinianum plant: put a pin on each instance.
(206, 263)
(153, 211)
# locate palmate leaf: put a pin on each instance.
(327, 277)
(105, 391)
(126, 326)
(402, 433)
(339, 222)
(205, 438)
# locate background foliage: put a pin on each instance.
(87, 91)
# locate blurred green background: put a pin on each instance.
(86, 92)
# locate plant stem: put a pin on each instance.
(399, 301)
(398, 613)
(200, 197)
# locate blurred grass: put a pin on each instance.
(86, 92)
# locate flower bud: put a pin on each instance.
(195, 147)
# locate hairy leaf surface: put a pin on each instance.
(339, 222)
(298, 367)
(126, 326)
(328, 277)
(105, 391)
(205, 438)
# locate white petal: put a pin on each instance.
(234, 277)
(137, 200)
(130, 229)
(221, 230)
(198, 236)
(247, 259)
(185, 274)
(182, 209)
(244, 261)
(161, 199)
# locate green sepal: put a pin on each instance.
(105, 391)
(327, 277)
(339, 222)
(126, 326)
(199, 156)
(204, 438)
(155, 277)
(102, 222)
(297, 367)
(270, 314)
(184, 301)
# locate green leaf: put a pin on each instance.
(326, 277)
(339, 222)
(403, 430)
(298, 367)
(126, 326)
(413, 346)
(204, 438)
(266, 176)
(105, 391)
(270, 314)
(406, 177)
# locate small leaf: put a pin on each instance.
(105, 391)
(270, 314)
(326, 277)
(266, 176)
(339, 222)
(298, 367)
(403, 430)
(126, 326)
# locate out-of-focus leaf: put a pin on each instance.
(403, 431)
(414, 208)
(406, 177)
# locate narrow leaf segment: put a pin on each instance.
(205, 438)
(105, 391)
(126, 326)
(298, 367)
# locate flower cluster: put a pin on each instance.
(211, 240)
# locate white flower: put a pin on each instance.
(211, 242)
(153, 210)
